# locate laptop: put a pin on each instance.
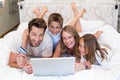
(61, 66)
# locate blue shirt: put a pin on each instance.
(55, 38)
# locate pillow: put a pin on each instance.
(91, 25)
(22, 27)
(9, 38)
(110, 37)
(4, 53)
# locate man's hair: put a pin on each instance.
(55, 17)
(37, 22)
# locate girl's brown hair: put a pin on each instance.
(91, 46)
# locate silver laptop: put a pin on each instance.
(53, 66)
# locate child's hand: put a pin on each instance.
(88, 65)
(28, 68)
(21, 60)
(79, 66)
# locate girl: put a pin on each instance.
(91, 51)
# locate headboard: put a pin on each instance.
(107, 12)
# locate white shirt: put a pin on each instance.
(44, 49)
(99, 60)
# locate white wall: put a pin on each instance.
(8, 21)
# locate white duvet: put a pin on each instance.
(110, 38)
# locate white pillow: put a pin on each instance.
(9, 38)
(110, 37)
(91, 25)
(4, 53)
(22, 27)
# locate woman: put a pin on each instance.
(69, 43)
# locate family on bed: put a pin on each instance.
(41, 41)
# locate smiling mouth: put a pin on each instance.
(69, 44)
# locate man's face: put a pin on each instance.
(54, 28)
(36, 36)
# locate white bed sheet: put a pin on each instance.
(109, 72)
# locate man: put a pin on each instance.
(39, 44)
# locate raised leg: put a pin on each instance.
(39, 14)
(74, 21)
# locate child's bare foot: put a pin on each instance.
(98, 33)
(81, 13)
(36, 11)
(39, 14)
(75, 9)
(44, 10)
(73, 5)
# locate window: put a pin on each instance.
(2, 7)
(2, 3)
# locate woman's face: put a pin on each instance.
(81, 47)
(68, 39)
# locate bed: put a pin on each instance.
(90, 24)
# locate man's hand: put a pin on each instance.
(21, 60)
(28, 68)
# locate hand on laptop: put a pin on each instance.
(22, 62)
(28, 68)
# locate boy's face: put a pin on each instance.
(54, 28)
(36, 36)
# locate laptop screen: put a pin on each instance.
(53, 66)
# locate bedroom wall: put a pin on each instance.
(8, 21)
(114, 13)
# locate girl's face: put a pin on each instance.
(68, 39)
(81, 47)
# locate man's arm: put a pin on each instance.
(12, 60)
(25, 38)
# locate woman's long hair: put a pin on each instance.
(91, 46)
(64, 48)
